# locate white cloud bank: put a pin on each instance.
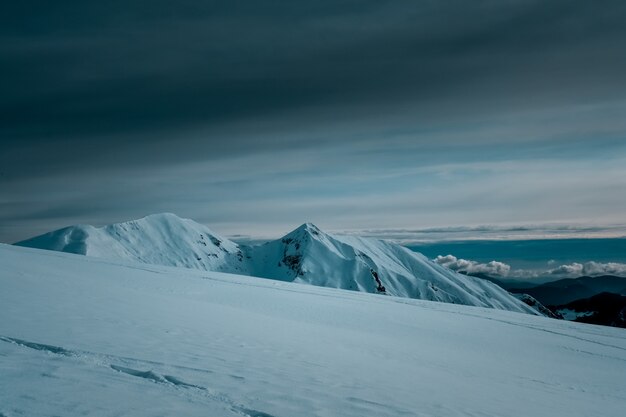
(502, 270)
(590, 269)
(493, 268)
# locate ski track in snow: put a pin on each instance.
(527, 326)
(169, 381)
(421, 303)
(97, 359)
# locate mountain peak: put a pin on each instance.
(165, 214)
(310, 227)
(307, 228)
(165, 217)
(161, 238)
(303, 233)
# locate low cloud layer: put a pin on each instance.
(502, 270)
(589, 269)
(493, 268)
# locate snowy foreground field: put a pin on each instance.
(87, 336)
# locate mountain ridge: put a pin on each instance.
(567, 290)
(306, 255)
(605, 308)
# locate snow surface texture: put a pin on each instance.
(89, 336)
(306, 255)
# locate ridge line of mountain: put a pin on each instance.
(306, 255)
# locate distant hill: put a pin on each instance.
(507, 284)
(605, 308)
(566, 290)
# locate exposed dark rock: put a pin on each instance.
(532, 302)
(379, 285)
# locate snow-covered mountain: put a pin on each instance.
(306, 255)
(160, 239)
(95, 337)
(311, 256)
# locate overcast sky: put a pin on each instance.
(256, 116)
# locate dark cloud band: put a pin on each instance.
(132, 89)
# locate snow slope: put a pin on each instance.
(306, 255)
(88, 336)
